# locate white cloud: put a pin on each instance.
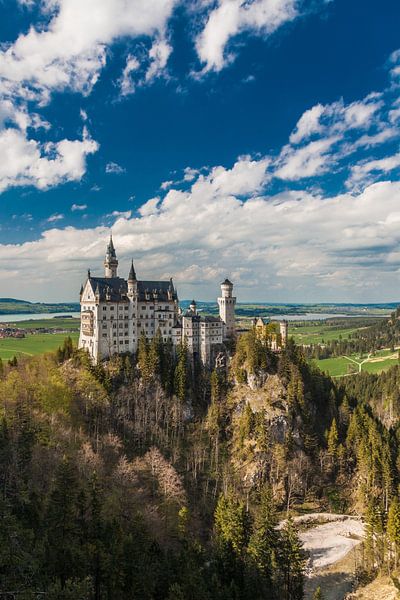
(55, 217)
(126, 83)
(114, 168)
(150, 207)
(159, 54)
(272, 246)
(190, 173)
(307, 161)
(360, 173)
(337, 117)
(78, 207)
(395, 66)
(166, 184)
(27, 162)
(120, 214)
(231, 17)
(71, 50)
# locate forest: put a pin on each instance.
(152, 477)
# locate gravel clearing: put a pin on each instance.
(328, 543)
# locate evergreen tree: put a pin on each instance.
(393, 528)
(263, 546)
(333, 440)
(232, 523)
(181, 372)
(63, 551)
(292, 563)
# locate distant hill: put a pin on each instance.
(13, 301)
(11, 306)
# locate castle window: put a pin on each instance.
(111, 308)
(104, 307)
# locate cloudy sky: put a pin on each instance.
(255, 139)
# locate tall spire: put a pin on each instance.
(132, 274)
(111, 262)
(110, 247)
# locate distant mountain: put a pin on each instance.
(11, 306)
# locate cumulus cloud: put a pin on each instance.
(307, 161)
(361, 172)
(232, 17)
(326, 136)
(78, 207)
(268, 244)
(66, 51)
(114, 168)
(70, 51)
(27, 162)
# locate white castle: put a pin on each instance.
(115, 312)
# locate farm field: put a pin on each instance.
(305, 334)
(344, 365)
(68, 324)
(33, 344)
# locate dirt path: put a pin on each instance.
(332, 550)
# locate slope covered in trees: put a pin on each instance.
(149, 477)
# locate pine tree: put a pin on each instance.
(62, 547)
(292, 563)
(333, 440)
(263, 546)
(232, 523)
(393, 528)
(181, 373)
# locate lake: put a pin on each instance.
(36, 317)
(289, 317)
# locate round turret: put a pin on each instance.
(193, 306)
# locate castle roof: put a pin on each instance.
(160, 287)
(227, 282)
(116, 289)
(113, 287)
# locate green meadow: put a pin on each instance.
(341, 366)
(33, 344)
(323, 332)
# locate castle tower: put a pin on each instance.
(132, 282)
(110, 262)
(226, 305)
(283, 329)
(193, 307)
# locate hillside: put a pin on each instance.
(151, 477)
(10, 306)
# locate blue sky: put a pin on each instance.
(255, 139)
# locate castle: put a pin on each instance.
(115, 312)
